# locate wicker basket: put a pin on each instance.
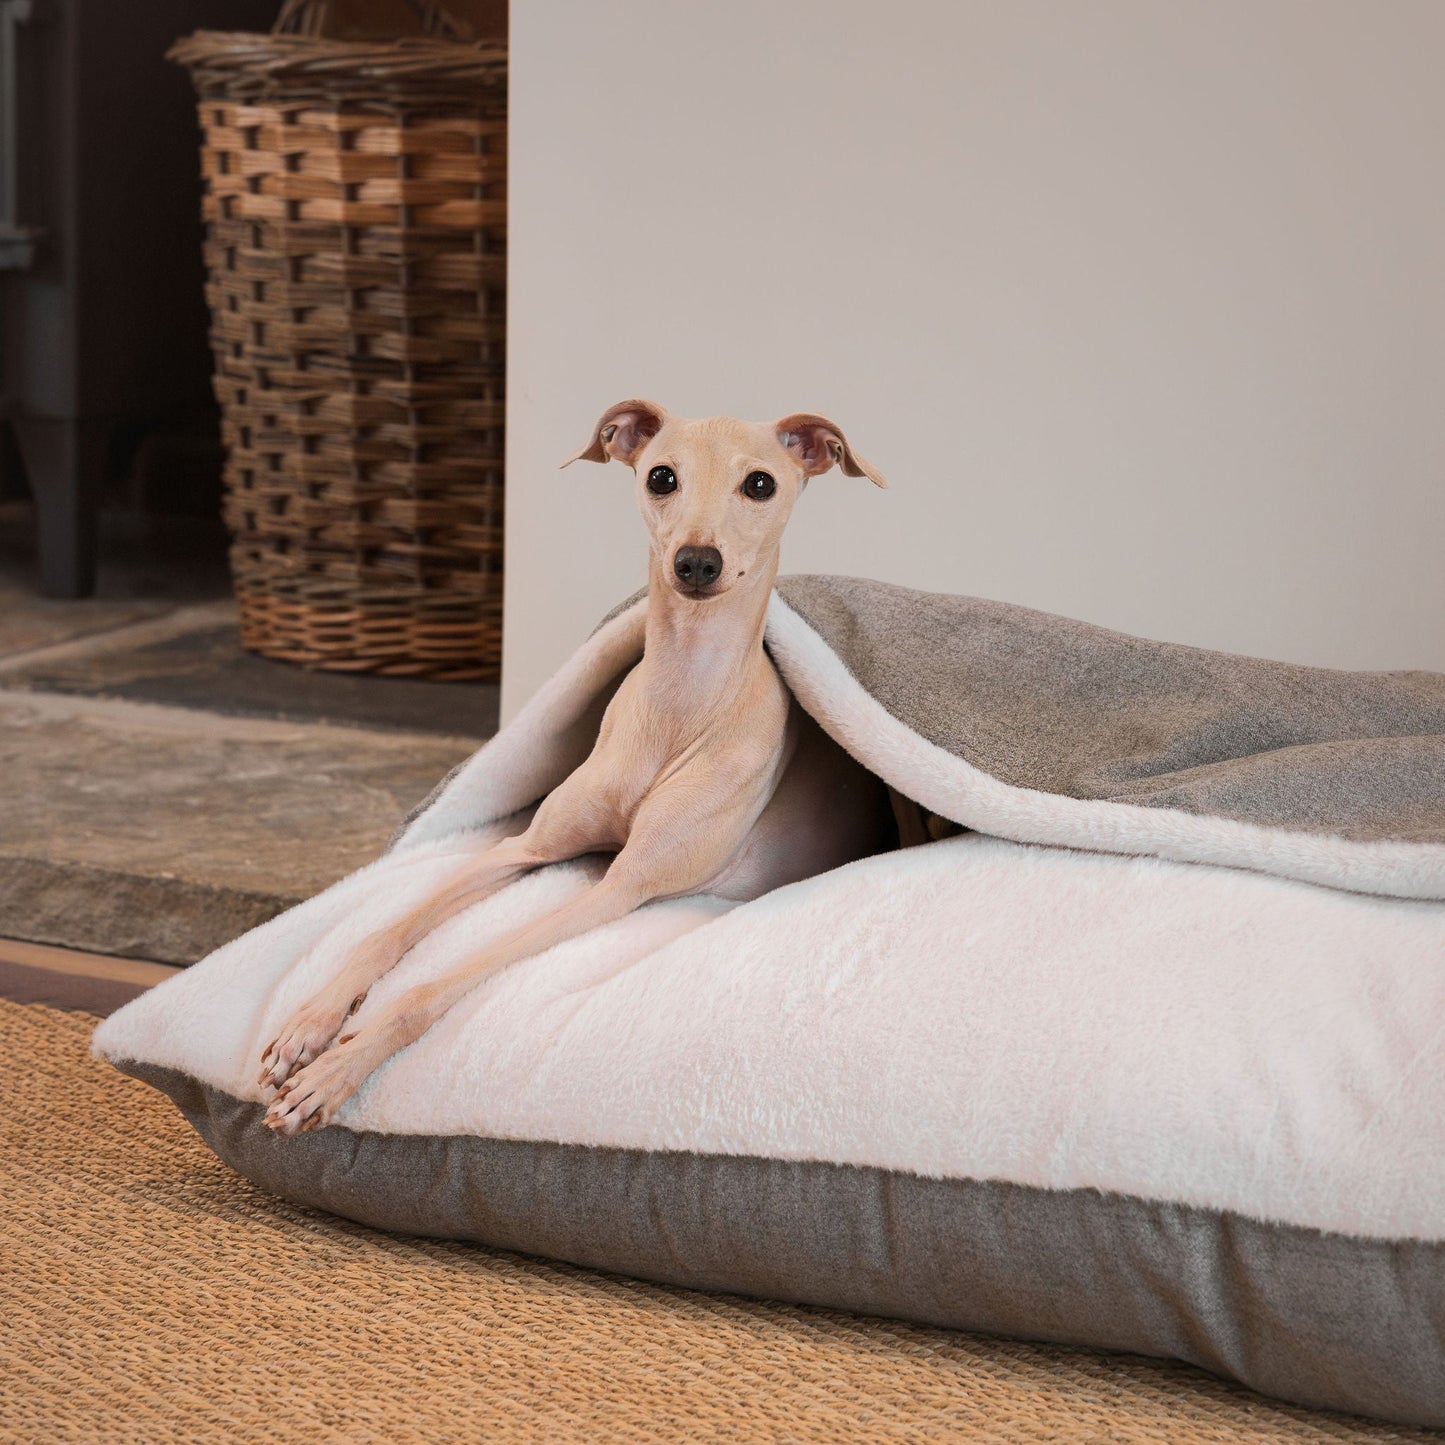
(355, 216)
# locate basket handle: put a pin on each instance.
(312, 17)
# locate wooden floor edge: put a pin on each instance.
(89, 965)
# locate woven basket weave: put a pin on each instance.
(355, 214)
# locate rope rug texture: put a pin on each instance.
(149, 1294)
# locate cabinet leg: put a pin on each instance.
(65, 463)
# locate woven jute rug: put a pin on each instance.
(149, 1294)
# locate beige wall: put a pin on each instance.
(1139, 303)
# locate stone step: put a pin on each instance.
(160, 832)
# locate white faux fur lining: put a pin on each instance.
(973, 1008)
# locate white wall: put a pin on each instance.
(1140, 305)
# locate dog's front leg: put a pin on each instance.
(571, 821)
(309, 1031)
(309, 1099)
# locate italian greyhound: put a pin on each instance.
(706, 776)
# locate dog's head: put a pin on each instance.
(716, 493)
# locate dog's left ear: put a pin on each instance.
(622, 431)
(817, 444)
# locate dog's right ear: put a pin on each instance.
(622, 431)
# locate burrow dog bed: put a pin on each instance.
(1153, 1060)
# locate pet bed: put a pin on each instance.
(1151, 1060)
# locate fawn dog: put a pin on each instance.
(706, 776)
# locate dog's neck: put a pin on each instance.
(703, 655)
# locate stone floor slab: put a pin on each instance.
(192, 657)
(161, 832)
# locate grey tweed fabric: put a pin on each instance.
(1323, 1319)
(1061, 706)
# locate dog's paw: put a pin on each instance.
(310, 1098)
(305, 1036)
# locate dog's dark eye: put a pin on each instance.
(661, 481)
(759, 486)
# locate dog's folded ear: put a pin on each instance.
(622, 431)
(817, 444)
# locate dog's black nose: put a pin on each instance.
(697, 566)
